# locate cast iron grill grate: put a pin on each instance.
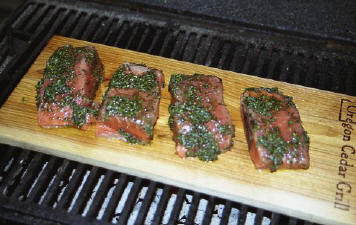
(52, 190)
(57, 190)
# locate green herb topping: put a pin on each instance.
(123, 106)
(129, 138)
(263, 104)
(202, 141)
(147, 82)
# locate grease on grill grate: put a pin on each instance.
(76, 191)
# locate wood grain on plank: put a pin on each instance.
(320, 194)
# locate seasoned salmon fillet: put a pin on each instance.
(199, 119)
(65, 93)
(130, 105)
(274, 131)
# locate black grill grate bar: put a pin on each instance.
(146, 203)
(224, 58)
(286, 68)
(213, 52)
(92, 26)
(243, 210)
(70, 23)
(351, 80)
(102, 31)
(26, 16)
(209, 211)
(42, 180)
(191, 47)
(7, 158)
(193, 208)
(321, 76)
(156, 40)
(55, 183)
(273, 65)
(38, 18)
(144, 36)
(27, 177)
(201, 51)
(177, 207)
(292, 221)
(298, 75)
(262, 63)
(100, 196)
(14, 19)
(112, 33)
(275, 219)
(249, 59)
(161, 205)
(130, 202)
(259, 216)
(85, 192)
(134, 35)
(238, 57)
(168, 44)
(115, 197)
(80, 26)
(226, 213)
(309, 78)
(179, 46)
(16, 168)
(123, 30)
(72, 185)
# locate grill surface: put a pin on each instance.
(37, 188)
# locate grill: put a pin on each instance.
(40, 189)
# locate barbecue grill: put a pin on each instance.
(311, 44)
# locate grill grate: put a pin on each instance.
(61, 191)
(50, 190)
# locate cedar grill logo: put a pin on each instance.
(347, 117)
(347, 111)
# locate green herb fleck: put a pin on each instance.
(263, 104)
(147, 82)
(129, 138)
(123, 106)
(275, 145)
(201, 143)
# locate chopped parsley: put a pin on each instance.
(147, 82)
(263, 104)
(129, 138)
(123, 106)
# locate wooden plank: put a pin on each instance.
(320, 194)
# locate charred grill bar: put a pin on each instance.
(38, 188)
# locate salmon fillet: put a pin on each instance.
(199, 119)
(66, 91)
(130, 105)
(274, 131)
